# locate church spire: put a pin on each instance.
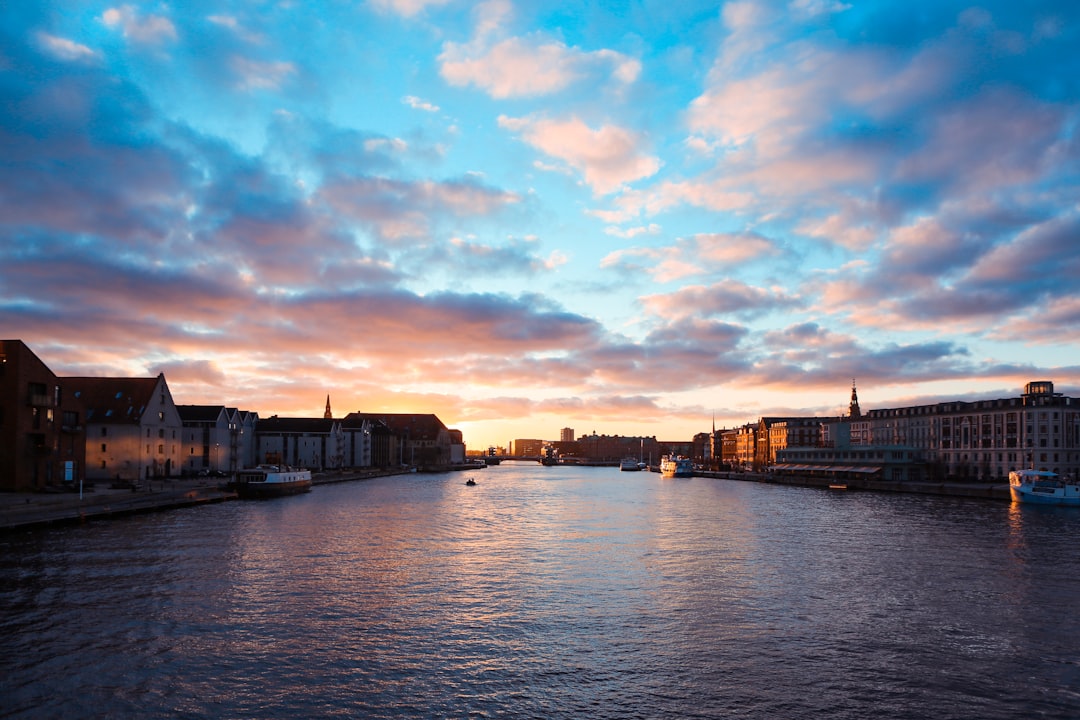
(853, 409)
(328, 415)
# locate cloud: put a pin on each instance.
(607, 157)
(406, 8)
(67, 50)
(727, 298)
(399, 210)
(259, 75)
(145, 30)
(702, 254)
(417, 104)
(524, 67)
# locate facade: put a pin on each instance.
(216, 439)
(133, 429)
(612, 448)
(457, 447)
(313, 443)
(986, 439)
(415, 440)
(566, 435)
(42, 431)
(845, 461)
(528, 447)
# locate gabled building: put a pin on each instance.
(422, 440)
(216, 439)
(133, 429)
(42, 435)
(313, 443)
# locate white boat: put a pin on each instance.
(1042, 487)
(266, 481)
(629, 464)
(676, 466)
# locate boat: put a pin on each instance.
(629, 464)
(676, 466)
(470, 481)
(1043, 488)
(268, 481)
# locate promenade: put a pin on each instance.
(33, 510)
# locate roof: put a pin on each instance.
(199, 413)
(419, 426)
(113, 400)
(315, 426)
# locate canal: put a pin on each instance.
(549, 592)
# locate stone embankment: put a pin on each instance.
(20, 511)
(993, 491)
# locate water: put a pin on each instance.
(549, 593)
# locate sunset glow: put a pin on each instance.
(626, 218)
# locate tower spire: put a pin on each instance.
(328, 415)
(853, 409)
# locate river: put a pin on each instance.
(549, 592)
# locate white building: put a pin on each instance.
(133, 429)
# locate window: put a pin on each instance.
(102, 447)
(161, 449)
(161, 415)
(104, 431)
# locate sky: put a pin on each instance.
(633, 218)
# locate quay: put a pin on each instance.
(992, 491)
(24, 511)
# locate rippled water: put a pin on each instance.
(549, 593)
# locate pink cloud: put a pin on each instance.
(607, 157)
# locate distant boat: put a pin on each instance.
(629, 464)
(1042, 487)
(470, 481)
(676, 466)
(267, 481)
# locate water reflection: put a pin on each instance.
(549, 592)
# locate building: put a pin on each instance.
(313, 443)
(42, 431)
(133, 429)
(566, 435)
(416, 440)
(841, 460)
(986, 439)
(216, 439)
(528, 447)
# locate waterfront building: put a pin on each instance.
(840, 459)
(566, 435)
(418, 440)
(133, 430)
(42, 435)
(313, 443)
(457, 447)
(528, 447)
(986, 439)
(216, 439)
(612, 448)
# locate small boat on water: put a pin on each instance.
(1043, 488)
(629, 464)
(268, 481)
(470, 481)
(676, 466)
